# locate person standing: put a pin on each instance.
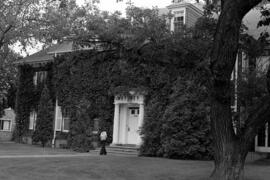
(103, 138)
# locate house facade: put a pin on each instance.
(129, 110)
(7, 124)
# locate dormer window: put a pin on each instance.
(177, 1)
(178, 23)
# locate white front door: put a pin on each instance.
(132, 124)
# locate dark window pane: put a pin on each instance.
(261, 137)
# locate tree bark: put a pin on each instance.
(230, 150)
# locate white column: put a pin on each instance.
(124, 125)
(140, 123)
(55, 123)
(116, 124)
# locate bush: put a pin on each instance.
(185, 130)
(80, 135)
(151, 129)
(44, 126)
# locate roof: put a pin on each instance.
(47, 54)
(65, 46)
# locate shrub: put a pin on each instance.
(185, 130)
(44, 126)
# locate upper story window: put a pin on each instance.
(39, 77)
(178, 23)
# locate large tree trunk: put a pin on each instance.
(230, 149)
(231, 165)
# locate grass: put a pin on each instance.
(110, 167)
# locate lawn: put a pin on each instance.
(116, 167)
(94, 167)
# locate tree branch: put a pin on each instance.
(3, 35)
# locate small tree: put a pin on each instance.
(44, 127)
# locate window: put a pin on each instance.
(66, 120)
(178, 23)
(39, 77)
(134, 111)
(261, 136)
(177, 1)
(32, 120)
(5, 125)
(62, 119)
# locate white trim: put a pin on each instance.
(262, 149)
(54, 128)
(116, 123)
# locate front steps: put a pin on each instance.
(124, 150)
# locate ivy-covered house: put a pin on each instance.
(38, 70)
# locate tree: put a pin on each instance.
(230, 148)
(44, 126)
(24, 101)
(7, 74)
(29, 21)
